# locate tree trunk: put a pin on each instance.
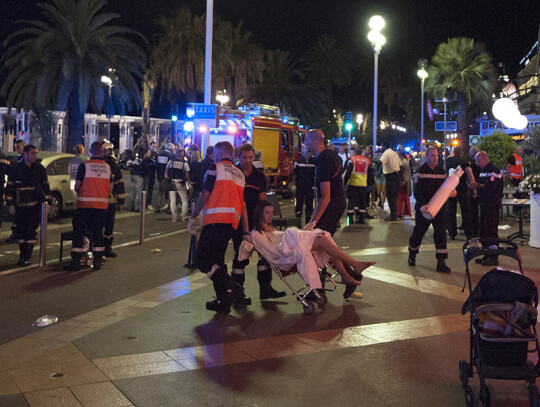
(75, 122)
(462, 124)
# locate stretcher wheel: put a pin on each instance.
(322, 300)
(471, 396)
(533, 395)
(487, 395)
(463, 372)
(308, 309)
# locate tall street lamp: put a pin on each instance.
(422, 74)
(376, 23)
(108, 81)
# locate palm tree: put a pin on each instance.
(330, 66)
(178, 59)
(464, 66)
(58, 62)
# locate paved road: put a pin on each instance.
(137, 333)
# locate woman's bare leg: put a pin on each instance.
(346, 278)
(323, 242)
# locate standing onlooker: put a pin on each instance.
(473, 192)
(19, 148)
(356, 178)
(149, 164)
(490, 193)
(304, 172)
(391, 166)
(429, 177)
(178, 172)
(515, 167)
(93, 184)
(403, 203)
(207, 161)
(195, 177)
(258, 162)
(117, 196)
(137, 177)
(343, 154)
(4, 165)
(222, 200)
(380, 181)
(27, 188)
(164, 156)
(457, 160)
(73, 167)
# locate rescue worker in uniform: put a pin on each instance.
(429, 177)
(356, 179)
(304, 171)
(222, 202)
(93, 184)
(457, 160)
(19, 147)
(117, 196)
(254, 191)
(27, 188)
(490, 193)
(515, 167)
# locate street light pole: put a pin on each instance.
(106, 80)
(445, 101)
(422, 74)
(376, 23)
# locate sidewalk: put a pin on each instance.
(158, 346)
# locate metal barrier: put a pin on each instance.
(43, 235)
(141, 217)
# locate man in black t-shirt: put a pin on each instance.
(331, 197)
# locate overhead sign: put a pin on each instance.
(429, 110)
(487, 127)
(450, 126)
(205, 115)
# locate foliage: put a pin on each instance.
(57, 62)
(499, 147)
(532, 140)
(464, 66)
(531, 183)
(42, 129)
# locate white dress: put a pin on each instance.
(292, 247)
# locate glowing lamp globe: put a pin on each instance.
(376, 23)
(503, 108)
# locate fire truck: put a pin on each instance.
(278, 137)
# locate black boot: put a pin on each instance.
(240, 278)
(75, 264)
(23, 255)
(108, 247)
(442, 267)
(227, 291)
(351, 219)
(412, 259)
(264, 275)
(98, 259)
(360, 218)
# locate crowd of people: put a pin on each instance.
(229, 186)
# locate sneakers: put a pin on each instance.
(173, 220)
(150, 208)
(442, 267)
(164, 207)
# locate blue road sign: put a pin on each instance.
(450, 126)
(204, 111)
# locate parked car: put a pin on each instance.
(56, 165)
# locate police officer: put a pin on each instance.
(27, 188)
(19, 147)
(429, 177)
(150, 174)
(117, 196)
(356, 179)
(490, 193)
(457, 160)
(93, 184)
(163, 158)
(222, 202)
(304, 171)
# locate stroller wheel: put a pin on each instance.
(471, 396)
(308, 309)
(321, 300)
(487, 395)
(463, 372)
(533, 395)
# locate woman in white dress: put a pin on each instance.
(308, 250)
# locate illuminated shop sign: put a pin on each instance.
(487, 127)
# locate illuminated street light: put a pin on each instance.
(376, 23)
(422, 74)
(108, 81)
(222, 97)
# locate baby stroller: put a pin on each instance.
(503, 317)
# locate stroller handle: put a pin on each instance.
(490, 247)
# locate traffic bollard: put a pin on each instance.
(141, 218)
(43, 236)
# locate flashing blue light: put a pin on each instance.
(301, 126)
(407, 149)
(190, 111)
(174, 117)
(285, 120)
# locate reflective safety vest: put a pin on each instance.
(225, 202)
(516, 171)
(94, 190)
(360, 170)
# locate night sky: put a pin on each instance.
(414, 28)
